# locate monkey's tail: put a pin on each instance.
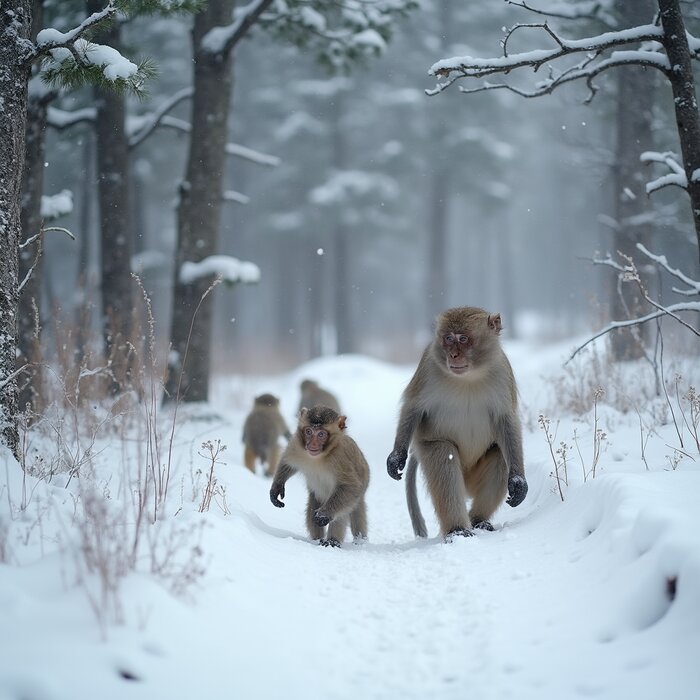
(412, 499)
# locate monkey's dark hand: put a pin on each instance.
(276, 494)
(517, 490)
(320, 518)
(395, 463)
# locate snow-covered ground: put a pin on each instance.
(596, 596)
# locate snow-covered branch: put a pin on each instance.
(62, 119)
(143, 126)
(665, 311)
(663, 262)
(237, 197)
(56, 205)
(50, 39)
(453, 69)
(230, 270)
(221, 40)
(152, 120)
(677, 176)
(234, 149)
(588, 9)
(628, 273)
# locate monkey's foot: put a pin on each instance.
(330, 542)
(483, 525)
(458, 532)
(361, 539)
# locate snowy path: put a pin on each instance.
(533, 610)
(562, 601)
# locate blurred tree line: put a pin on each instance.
(302, 140)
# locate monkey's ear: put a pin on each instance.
(341, 422)
(495, 322)
(303, 412)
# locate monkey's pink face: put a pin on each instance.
(315, 439)
(458, 352)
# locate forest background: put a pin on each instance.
(366, 205)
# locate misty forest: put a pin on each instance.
(206, 201)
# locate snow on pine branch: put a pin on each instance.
(346, 185)
(111, 63)
(229, 269)
(219, 40)
(458, 67)
(51, 39)
(53, 206)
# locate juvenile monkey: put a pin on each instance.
(261, 432)
(459, 414)
(337, 476)
(313, 395)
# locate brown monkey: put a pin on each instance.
(337, 476)
(261, 432)
(459, 413)
(313, 395)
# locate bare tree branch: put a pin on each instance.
(154, 119)
(629, 273)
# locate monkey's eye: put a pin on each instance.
(322, 434)
(449, 339)
(308, 432)
(463, 339)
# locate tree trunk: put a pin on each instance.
(439, 194)
(29, 319)
(115, 221)
(85, 279)
(199, 210)
(14, 77)
(437, 237)
(30, 297)
(635, 102)
(675, 42)
(343, 297)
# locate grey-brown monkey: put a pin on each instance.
(314, 395)
(261, 432)
(337, 476)
(459, 414)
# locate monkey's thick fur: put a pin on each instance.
(337, 478)
(459, 416)
(262, 429)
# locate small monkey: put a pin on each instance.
(261, 432)
(313, 395)
(337, 476)
(459, 414)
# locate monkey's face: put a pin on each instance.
(315, 439)
(458, 349)
(465, 340)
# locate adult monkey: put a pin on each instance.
(459, 414)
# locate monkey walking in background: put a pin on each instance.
(459, 414)
(337, 476)
(313, 395)
(261, 432)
